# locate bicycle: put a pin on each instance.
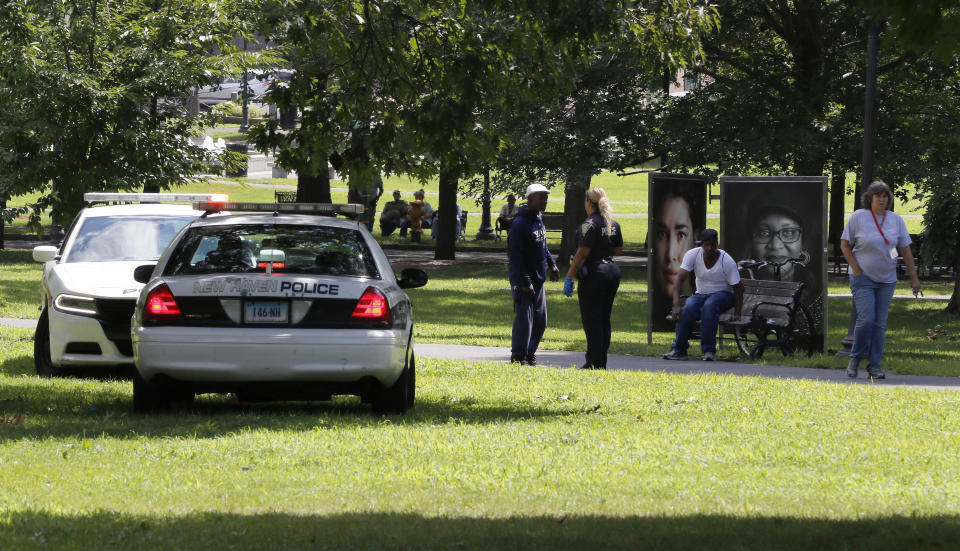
(786, 324)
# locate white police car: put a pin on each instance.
(286, 305)
(88, 288)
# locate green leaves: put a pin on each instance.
(93, 95)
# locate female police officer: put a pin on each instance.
(598, 239)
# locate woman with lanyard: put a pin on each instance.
(871, 242)
(598, 239)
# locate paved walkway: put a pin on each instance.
(558, 358)
(566, 359)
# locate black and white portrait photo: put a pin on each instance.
(676, 215)
(774, 219)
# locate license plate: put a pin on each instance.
(266, 312)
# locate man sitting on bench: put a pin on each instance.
(718, 287)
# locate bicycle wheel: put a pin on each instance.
(747, 339)
(799, 337)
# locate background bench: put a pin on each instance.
(553, 221)
(770, 303)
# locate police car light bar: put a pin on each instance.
(154, 197)
(290, 208)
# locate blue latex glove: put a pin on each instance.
(568, 286)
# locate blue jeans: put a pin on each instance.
(707, 309)
(872, 300)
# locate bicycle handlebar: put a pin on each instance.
(756, 264)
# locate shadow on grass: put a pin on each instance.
(8, 256)
(35, 408)
(36, 530)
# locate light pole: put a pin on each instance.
(873, 26)
(486, 229)
(244, 108)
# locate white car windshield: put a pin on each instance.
(140, 237)
(292, 249)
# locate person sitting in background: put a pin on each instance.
(393, 215)
(507, 213)
(436, 218)
(425, 217)
(718, 287)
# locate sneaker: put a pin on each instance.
(518, 360)
(531, 359)
(675, 355)
(852, 367)
(875, 372)
(709, 356)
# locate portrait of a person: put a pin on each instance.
(776, 234)
(678, 216)
(774, 221)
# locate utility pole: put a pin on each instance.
(873, 26)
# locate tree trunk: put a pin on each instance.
(447, 206)
(573, 215)
(838, 188)
(953, 307)
(315, 188)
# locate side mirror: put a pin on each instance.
(45, 253)
(411, 278)
(141, 274)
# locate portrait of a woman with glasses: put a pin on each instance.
(776, 234)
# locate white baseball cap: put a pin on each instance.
(536, 188)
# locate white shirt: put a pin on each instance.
(721, 277)
(507, 212)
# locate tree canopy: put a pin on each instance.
(92, 95)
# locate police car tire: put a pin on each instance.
(399, 396)
(41, 348)
(149, 397)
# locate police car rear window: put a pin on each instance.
(291, 249)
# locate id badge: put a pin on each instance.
(893, 253)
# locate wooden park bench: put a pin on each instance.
(553, 221)
(285, 196)
(772, 315)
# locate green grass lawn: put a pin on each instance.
(493, 456)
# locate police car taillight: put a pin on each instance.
(372, 306)
(274, 265)
(161, 304)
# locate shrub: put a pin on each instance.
(233, 109)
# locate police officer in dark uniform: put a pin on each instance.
(598, 239)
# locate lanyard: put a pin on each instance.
(879, 224)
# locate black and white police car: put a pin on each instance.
(88, 288)
(285, 301)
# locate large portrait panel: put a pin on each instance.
(775, 218)
(677, 212)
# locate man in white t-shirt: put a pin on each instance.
(718, 287)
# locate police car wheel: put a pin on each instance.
(150, 397)
(41, 348)
(399, 397)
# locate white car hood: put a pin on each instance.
(101, 279)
